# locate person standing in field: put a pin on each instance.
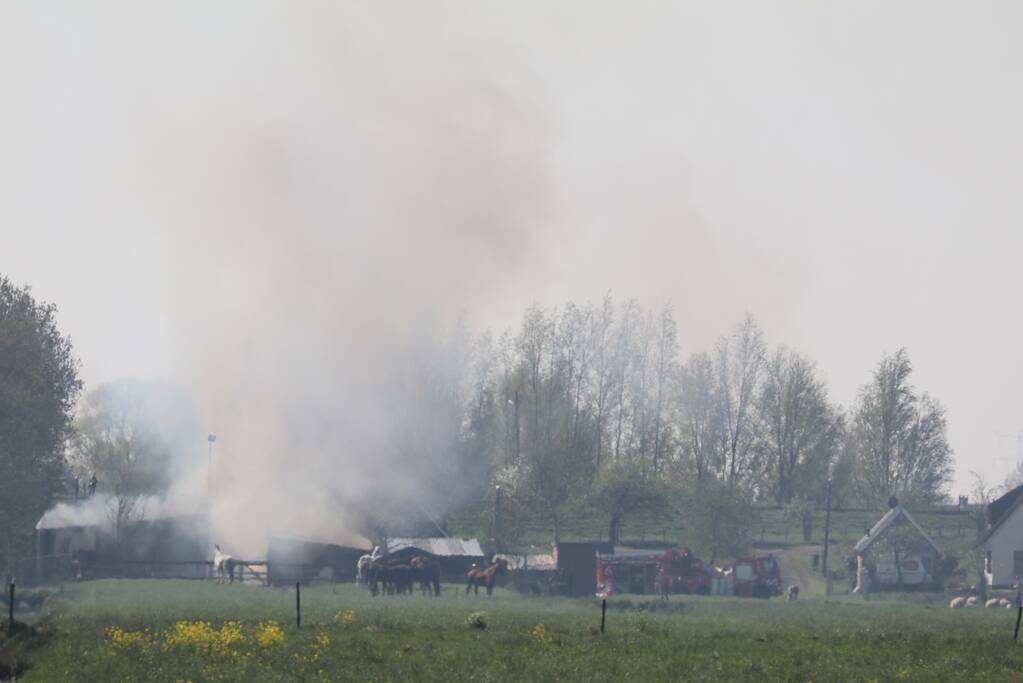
(864, 581)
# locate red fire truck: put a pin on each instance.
(647, 571)
(757, 577)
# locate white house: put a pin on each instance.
(898, 553)
(1003, 540)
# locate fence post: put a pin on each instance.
(603, 614)
(298, 604)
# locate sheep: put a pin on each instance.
(1005, 602)
(993, 602)
(957, 602)
(971, 601)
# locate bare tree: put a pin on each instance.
(739, 361)
(117, 438)
(899, 437)
(623, 363)
(665, 379)
(701, 424)
(602, 375)
(800, 429)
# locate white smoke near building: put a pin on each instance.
(315, 197)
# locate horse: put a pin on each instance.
(393, 578)
(486, 577)
(362, 568)
(427, 572)
(223, 564)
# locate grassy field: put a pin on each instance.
(163, 630)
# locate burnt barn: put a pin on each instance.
(163, 547)
(296, 559)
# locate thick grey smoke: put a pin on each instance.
(326, 191)
(843, 172)
(342, 206)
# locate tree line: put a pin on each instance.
(579, 408)
(594, 405)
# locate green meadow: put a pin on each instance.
(163, 630)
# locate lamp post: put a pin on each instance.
(495, 529)
(827, 532)
(515, 405)
(212, 438)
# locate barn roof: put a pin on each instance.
(891, 517)
(442, 547)
(532, 562)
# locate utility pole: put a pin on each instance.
(495, 527)
(827, 533)
(516, 426)
(211, 439)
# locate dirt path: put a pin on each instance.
(797, 568)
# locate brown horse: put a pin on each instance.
(485, 577)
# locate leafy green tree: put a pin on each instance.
(39, 384)
(717, 519)
(626, 488)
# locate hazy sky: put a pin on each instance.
(176, 175)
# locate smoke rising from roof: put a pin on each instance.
(320, 211)
(844, 174)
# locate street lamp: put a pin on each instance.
(212, 438)
(515, 404)
(827, 531)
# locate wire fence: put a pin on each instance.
(765, 525)
(61, 568)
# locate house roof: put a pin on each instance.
(891, 517)
(442, 547)
(1000, 510)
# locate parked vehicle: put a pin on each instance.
(679, 570)
(757, 577)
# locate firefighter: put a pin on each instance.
(92, 484)
(665, 581)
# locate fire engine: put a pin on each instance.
(680, 571)
(757, 577)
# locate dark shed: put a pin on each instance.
(577, 562)
(295, 559)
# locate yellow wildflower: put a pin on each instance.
(538, 634)
(345, 617)
(269, 634)
(121, 639)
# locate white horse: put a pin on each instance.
(361, 567)
(223, 564)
